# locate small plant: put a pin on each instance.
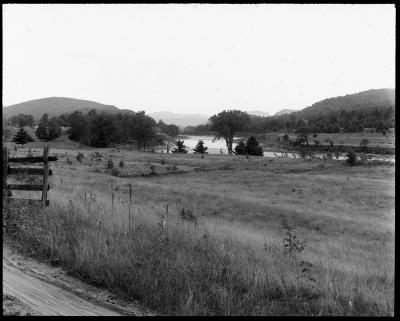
(290, 242)
(110, 164)
(121, 163)
(80, 157)
(351, 158)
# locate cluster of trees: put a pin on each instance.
(251, 147)
(21, 120)
(104, 129)
(378, 119)
(48, 129)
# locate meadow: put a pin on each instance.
(206, 236)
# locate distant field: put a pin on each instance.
(346, 139)
(225, 255)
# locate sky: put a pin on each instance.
(196, 58)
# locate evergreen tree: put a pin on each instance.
(253, 147)
(200, 149)
(240, 148)
(22, 137)
(42, 132)
(54, 128)
(180, 147)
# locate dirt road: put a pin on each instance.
(33, 288)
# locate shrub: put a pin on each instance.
(121, 163)
(253, 147)
(240, 148)
(351, 158)
(110, 164)
(80, 157)
(115, 172)
(163, 161)
(290, 242)
(69, 162)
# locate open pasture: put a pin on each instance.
(211, 241)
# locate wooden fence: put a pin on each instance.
(26, 171)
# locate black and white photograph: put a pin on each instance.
(198, 159)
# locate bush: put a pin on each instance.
(240, 148)
(253, 147)
(110, 164)
(351, 158)
(115, 172)
(121, 163)
(80, 157)
(69, 162)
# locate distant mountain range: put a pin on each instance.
(258, 113)
(55, 106)
(285, 112)
(180, 119)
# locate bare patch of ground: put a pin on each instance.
(34, 288)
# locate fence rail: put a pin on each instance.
(45, 171)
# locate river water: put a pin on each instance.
(219, 147)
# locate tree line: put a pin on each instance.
(377, 119)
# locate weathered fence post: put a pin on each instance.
(45, 174)
(5, 172)
(130, 201)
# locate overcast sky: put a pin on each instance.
(196, 58)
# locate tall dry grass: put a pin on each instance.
(230, 261)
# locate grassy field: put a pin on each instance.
(210, 241)
(345, 139)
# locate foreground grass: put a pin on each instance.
(230, 261)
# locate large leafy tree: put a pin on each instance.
(22, 137)
(143, 129)
(170, 131)
(227, 123)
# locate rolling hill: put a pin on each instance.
(363, 100)
(55, 106)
